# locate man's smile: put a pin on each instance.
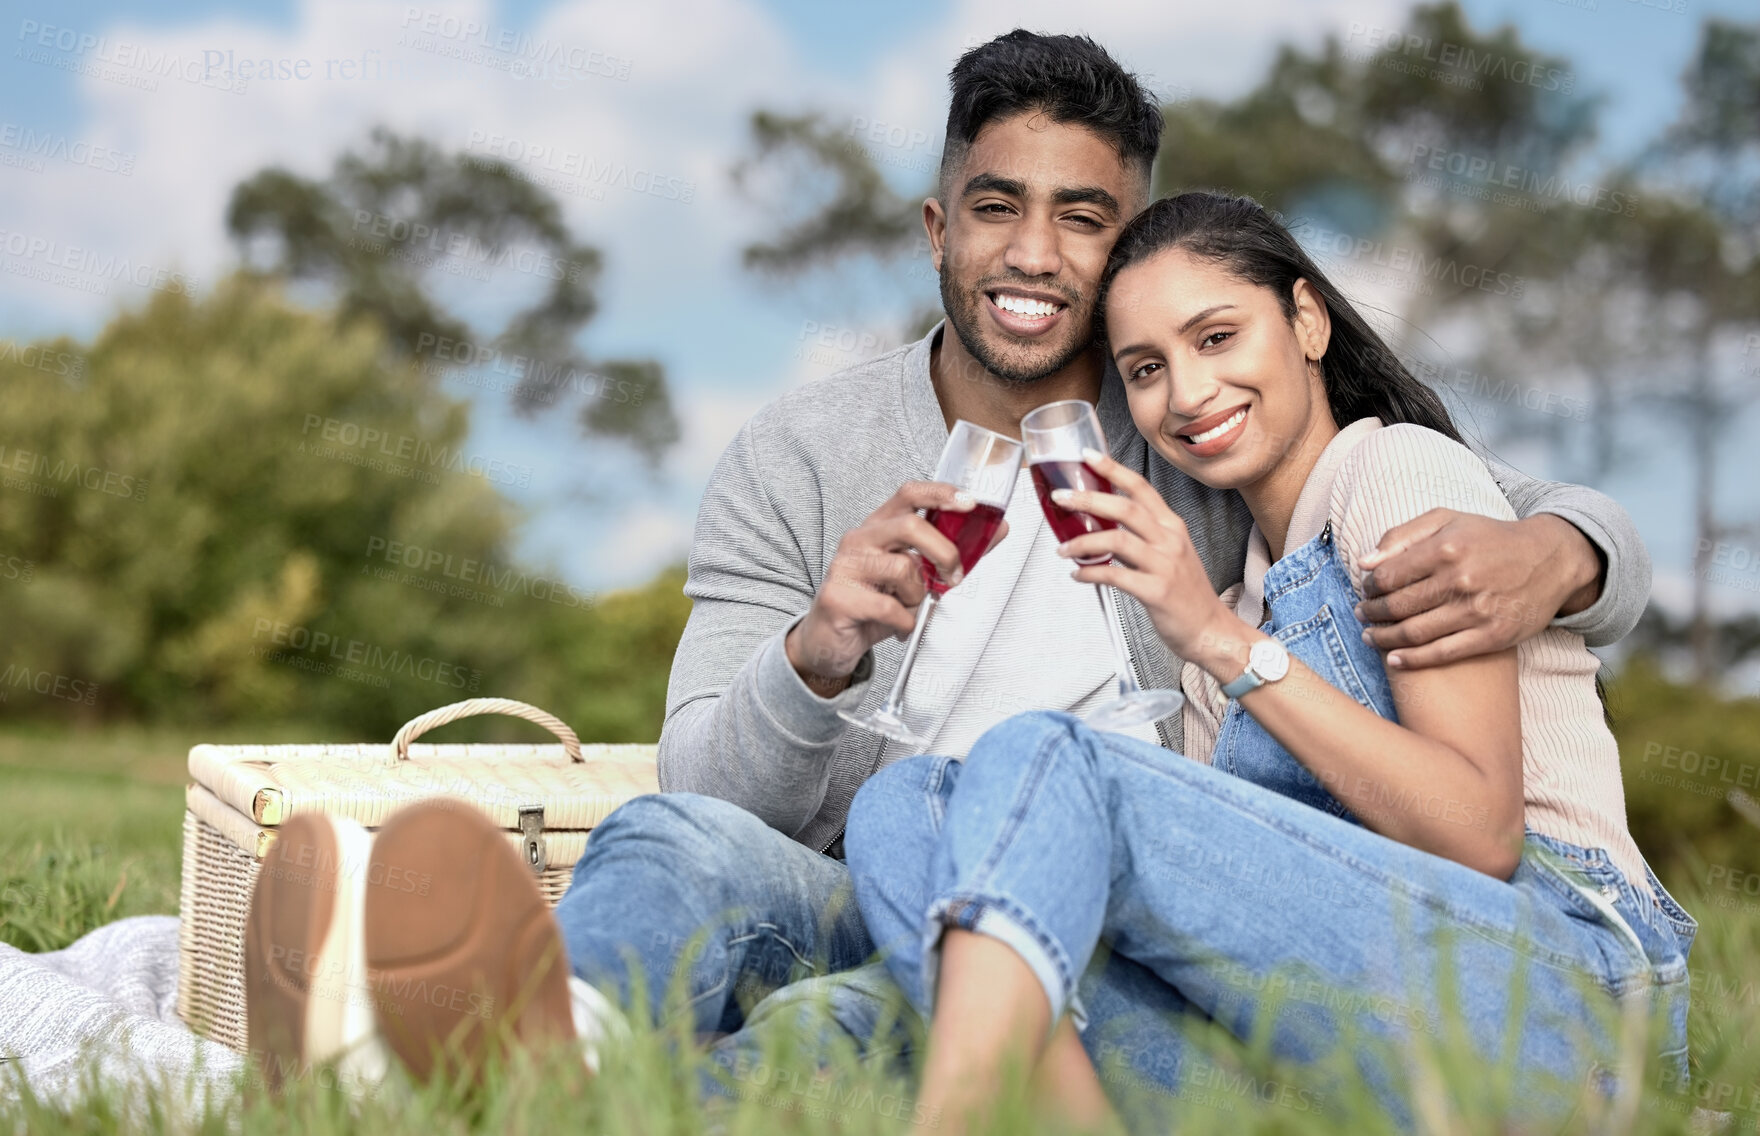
(1023, 313)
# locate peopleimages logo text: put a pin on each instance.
(1416, 262)
(109, 266)
(1463, 59)
(338, 649)
(33, 464)
(405, 447)
(75, 151)
(469, 570)
(1482, 170)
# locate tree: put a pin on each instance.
(245, 510)
(1650, 302)
(388, 221)
(1711, 154)
(864, 214)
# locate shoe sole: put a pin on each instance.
(303, 966)
(464, 956)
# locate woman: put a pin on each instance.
(1369, 852)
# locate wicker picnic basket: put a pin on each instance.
(548, 797)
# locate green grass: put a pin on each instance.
(92, 834)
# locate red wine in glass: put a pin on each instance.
(1053, 436)
(969, 532)
(1054, 474)
(987, 467)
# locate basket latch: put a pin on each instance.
(531, 831)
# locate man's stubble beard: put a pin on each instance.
(961, 309)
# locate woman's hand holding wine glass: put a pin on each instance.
(1066, 449)
(1146, 551)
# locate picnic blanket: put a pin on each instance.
(106, 1008)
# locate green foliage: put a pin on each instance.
(1683, 750)
(1295, 140)
(611, 672)
(217, 520)
(1722, 115)
(53, 892)
(652, 1084)
(1446, 83)
(58, 886)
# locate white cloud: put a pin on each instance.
(694, 69)
(1733, 592)
(708, 421)
(637, 545)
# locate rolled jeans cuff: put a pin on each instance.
(992, 919)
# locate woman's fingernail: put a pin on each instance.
(1394, 662)
(1062, 496)
(1366, 637)
(1092, 456)
(1357, 611)
(964, 500)
(959, 573)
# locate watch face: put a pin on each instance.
(1270, 661)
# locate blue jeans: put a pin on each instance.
(1230, 900)
(680, 890)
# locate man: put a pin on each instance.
(803, 578)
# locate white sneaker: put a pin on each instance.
(431, 940)
(308, 1002)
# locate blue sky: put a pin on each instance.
(673, 288)
(1632, 50)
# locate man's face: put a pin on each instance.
(1020, 244)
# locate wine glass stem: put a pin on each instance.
(895, 697)
(1127, 682)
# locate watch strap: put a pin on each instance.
(1248, 681)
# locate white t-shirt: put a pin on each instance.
(1016, 634)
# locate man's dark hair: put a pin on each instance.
(1071, 79)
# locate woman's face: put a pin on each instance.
(1218, 376)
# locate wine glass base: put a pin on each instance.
(1135, 709)
(885, 723)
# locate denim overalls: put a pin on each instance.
(1312, 603)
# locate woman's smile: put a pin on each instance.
(1211, 435)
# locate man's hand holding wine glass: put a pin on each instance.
(874, 584)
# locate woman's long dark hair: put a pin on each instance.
(1363, 377)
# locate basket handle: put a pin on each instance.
(470, 707)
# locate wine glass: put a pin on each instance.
(986, 465)
(1055, 436)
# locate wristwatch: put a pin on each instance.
(1266, 662)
